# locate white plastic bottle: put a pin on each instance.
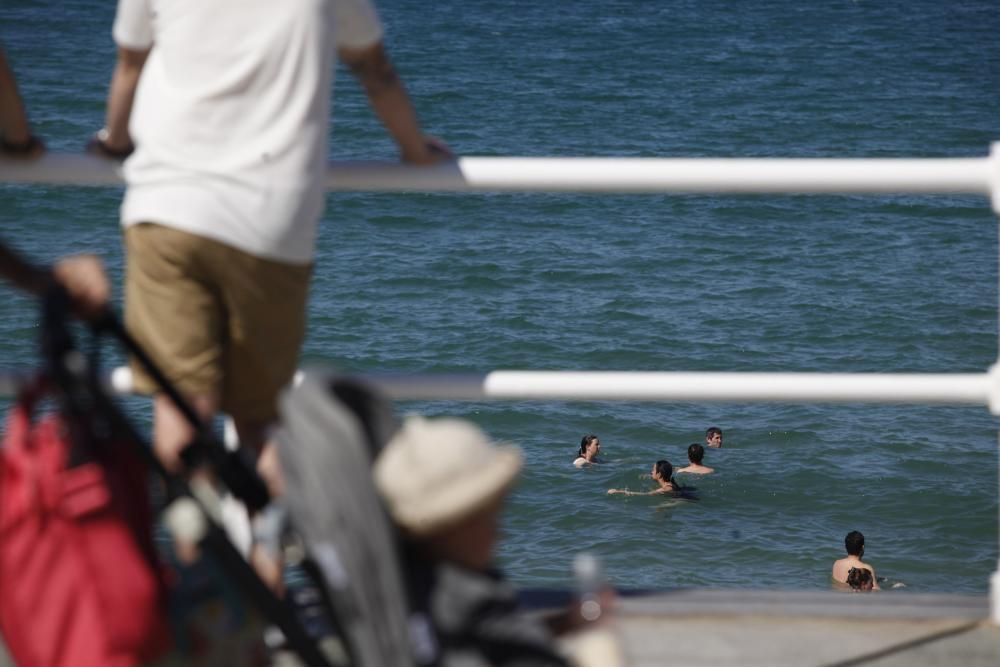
(597, 643)
(590, 582)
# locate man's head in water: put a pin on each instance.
(713, 436)
(696, 453)
(854, 543)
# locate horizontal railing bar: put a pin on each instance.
(679, 386)
(950, 388)
(592, 174)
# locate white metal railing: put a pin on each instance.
(958, 389)
(980, 389)
(978, 176)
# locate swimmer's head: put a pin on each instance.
(696, 453)
(713, 436)
(860, 579)
(586, 442)
(662, 469)
(854, 543)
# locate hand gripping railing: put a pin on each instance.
(979, 176)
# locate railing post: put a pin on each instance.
(994, 176)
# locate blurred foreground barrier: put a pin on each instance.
(978, 176)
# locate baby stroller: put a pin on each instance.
(387, 596)
(331, 430)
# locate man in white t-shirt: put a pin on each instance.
(227, 103)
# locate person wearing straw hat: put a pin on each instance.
(444, 484)
(443, 479)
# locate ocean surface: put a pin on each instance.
(435, 283)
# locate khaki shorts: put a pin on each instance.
(215, 319)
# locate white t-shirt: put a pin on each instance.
(231, 116)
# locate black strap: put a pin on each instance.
(234, 470)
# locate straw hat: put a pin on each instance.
(434, 473)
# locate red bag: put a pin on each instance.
(78, 580)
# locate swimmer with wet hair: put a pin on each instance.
(663, 474)
(696, 453)
(713, 437)
(854, 543)
(860, 579)
(590, 447)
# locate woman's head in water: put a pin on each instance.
(590, 447)
(662, 470)
(860, 579)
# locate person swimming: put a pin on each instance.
(663, 475)
(860, 579)
(696, 453)
(590, 447)
(854, 544)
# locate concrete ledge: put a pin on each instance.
(883, 604)
(695, 627)
(740, 602)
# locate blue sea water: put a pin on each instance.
(430, 283)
